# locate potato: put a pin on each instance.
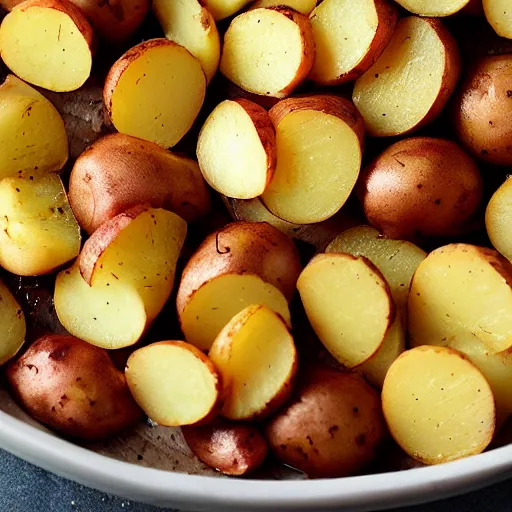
(336, 290)
(268, 51)
(499, 15)
(155, 91)
(118, 172)
(396, 96)
(191, 25)
(349, 35)
(230, 448)
(174, 383)
(55, 51)
(437, 405)
(303, 6)
(333, 427)
(319, 149)
(406, 193)
(483, 110)
(498, 219)
(73, 388)
(236, 149)
(13, 325)
(38, 232)
(433, 7)
(224, 8)
(33, 139)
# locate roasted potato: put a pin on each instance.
(433, 7)
(303, 6)
(499, 16)
(13, 324)
(224, 8)
(498, 219)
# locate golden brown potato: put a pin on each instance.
(13, 325)
(231, 448)
(407, 193)
(118, 172)
(433, 7)
(498, 219)
(332, 428)
(483, 110)
(499, 15)
(73, 388)
(303, 6)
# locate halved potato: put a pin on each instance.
(499, 15)
(13, 325)
(155, 91)
(438, 406)
(255, 354)
(224, 8)
(191, 25)
(38, 232)
(303, 6)
(319, 149)
(268, 51)
(349, 35)
(55, 51)
(498, 219)
(33, 138)
(236, 149)
(342, 293)
(411, 81)
(174, 383)
(433, 7)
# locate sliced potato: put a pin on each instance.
(341, 293)
(498, 219)
(155, 91)
(268, 51)
(236, 149)
(319, 150)
(349, 36)
(224, 8)
(174, 383)
(13, 325)
(303, 6)
(433, 7)
(396, 96)
(499, 15)
(438, 406)
(55, 51)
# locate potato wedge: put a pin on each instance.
(319, 149)
(433, 7)
(499, 16)
(55, 51)
(155, 91)
(33, 138)
(303, 6)
(174, 383)
(13, 325)
(38, 232)
(236, 149)
(396, 96)
(224, 8)
(118, 172)
(349, 35)
(336, 290)
(268, 51)
(437, 405)
(498, 219)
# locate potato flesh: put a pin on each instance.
(52, 52)
(498, 219)
(159, 95)
(318, 162)
(33, 139)
(499, 16)
(438, 406)
(396, 93)
(224, 8)
(348, 305)
(433, 7)
(219, 300)
(303, 6)
(13, 325)
(230, 153)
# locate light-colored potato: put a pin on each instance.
(191, 25)
(268, 51)
(38, 232)
(155, 91)
(55, 50)
(499, 15)
(396, 95)
(407, 193)
(255, 354)
(342, 293)
(33, 138)
(349, 35)
(174, 383)
(118, 172)
(498, 219)
(13, 325)
(231, 448)
(303, 6)
(433, 7)
(333, 427)
(319, 149)
(483, 110)
(73, 387)
(224, 8)
(236, 149)
(437, 405)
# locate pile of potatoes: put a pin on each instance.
(341, 187)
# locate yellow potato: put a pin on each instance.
(499, 15)
(303, 6)
(498, 219)
(433, 7)
(224, 8)
(13, 325)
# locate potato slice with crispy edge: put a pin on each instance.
(498, 219)
(56, 49)
(174, 383)
(13, 325)
(499, 16)
(236, 149)
(437, 405)
(319, 150)
(433, 7)
(303, 6)
(396, 96)
(224, 8)
(268, 51)
(155, 91)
